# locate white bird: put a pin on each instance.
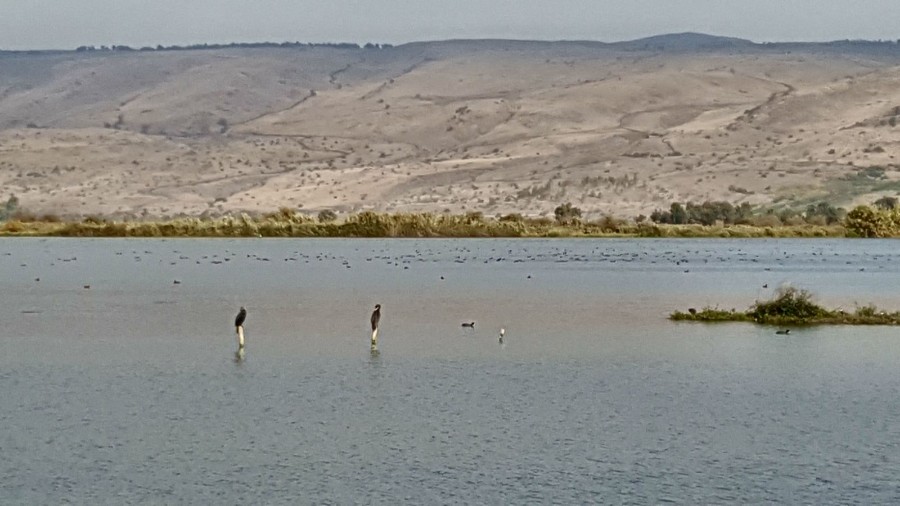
(502, 333)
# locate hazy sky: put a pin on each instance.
(40, 24)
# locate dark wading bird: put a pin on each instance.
(376, 317)
(239, 326)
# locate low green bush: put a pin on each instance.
(791, 306)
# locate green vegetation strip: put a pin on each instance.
(287, 223)
(791, 307)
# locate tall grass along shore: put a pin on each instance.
(287, 223)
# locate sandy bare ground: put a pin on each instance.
(495, 127)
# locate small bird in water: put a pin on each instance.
(502, 333)
(783, 332)
(470, 325)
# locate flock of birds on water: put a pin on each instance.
(465, 254)
(462, 254)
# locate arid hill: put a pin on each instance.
(491, 126)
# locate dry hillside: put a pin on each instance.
(492, 126)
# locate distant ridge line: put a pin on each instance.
(685, 41)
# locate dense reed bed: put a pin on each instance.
(287, 223)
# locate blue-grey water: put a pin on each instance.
(130, 392)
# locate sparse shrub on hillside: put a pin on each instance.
(867, 174)
(793, 220)
(766, 220)
(816, 220)
(25, 217)
(610, 224)
(678, 214)
(543, 221)
(327, 216)
(474, 217)
(10, 208)
(513, 217)
(886, 203)
(286, 215)
(830, 213)
(93, 220)
(738, 189)
(567, 213)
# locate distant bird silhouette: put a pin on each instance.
(766, 285)
(783, 332)
(469, 325)
(502, 333)
(692, 310)
(241, 316)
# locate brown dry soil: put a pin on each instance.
(492, 126)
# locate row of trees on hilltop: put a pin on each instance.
(335, 45)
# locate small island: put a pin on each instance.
(791, 306)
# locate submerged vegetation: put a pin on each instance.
(791, 306)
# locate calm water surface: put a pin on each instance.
(130, 391)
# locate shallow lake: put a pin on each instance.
(121, 386)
